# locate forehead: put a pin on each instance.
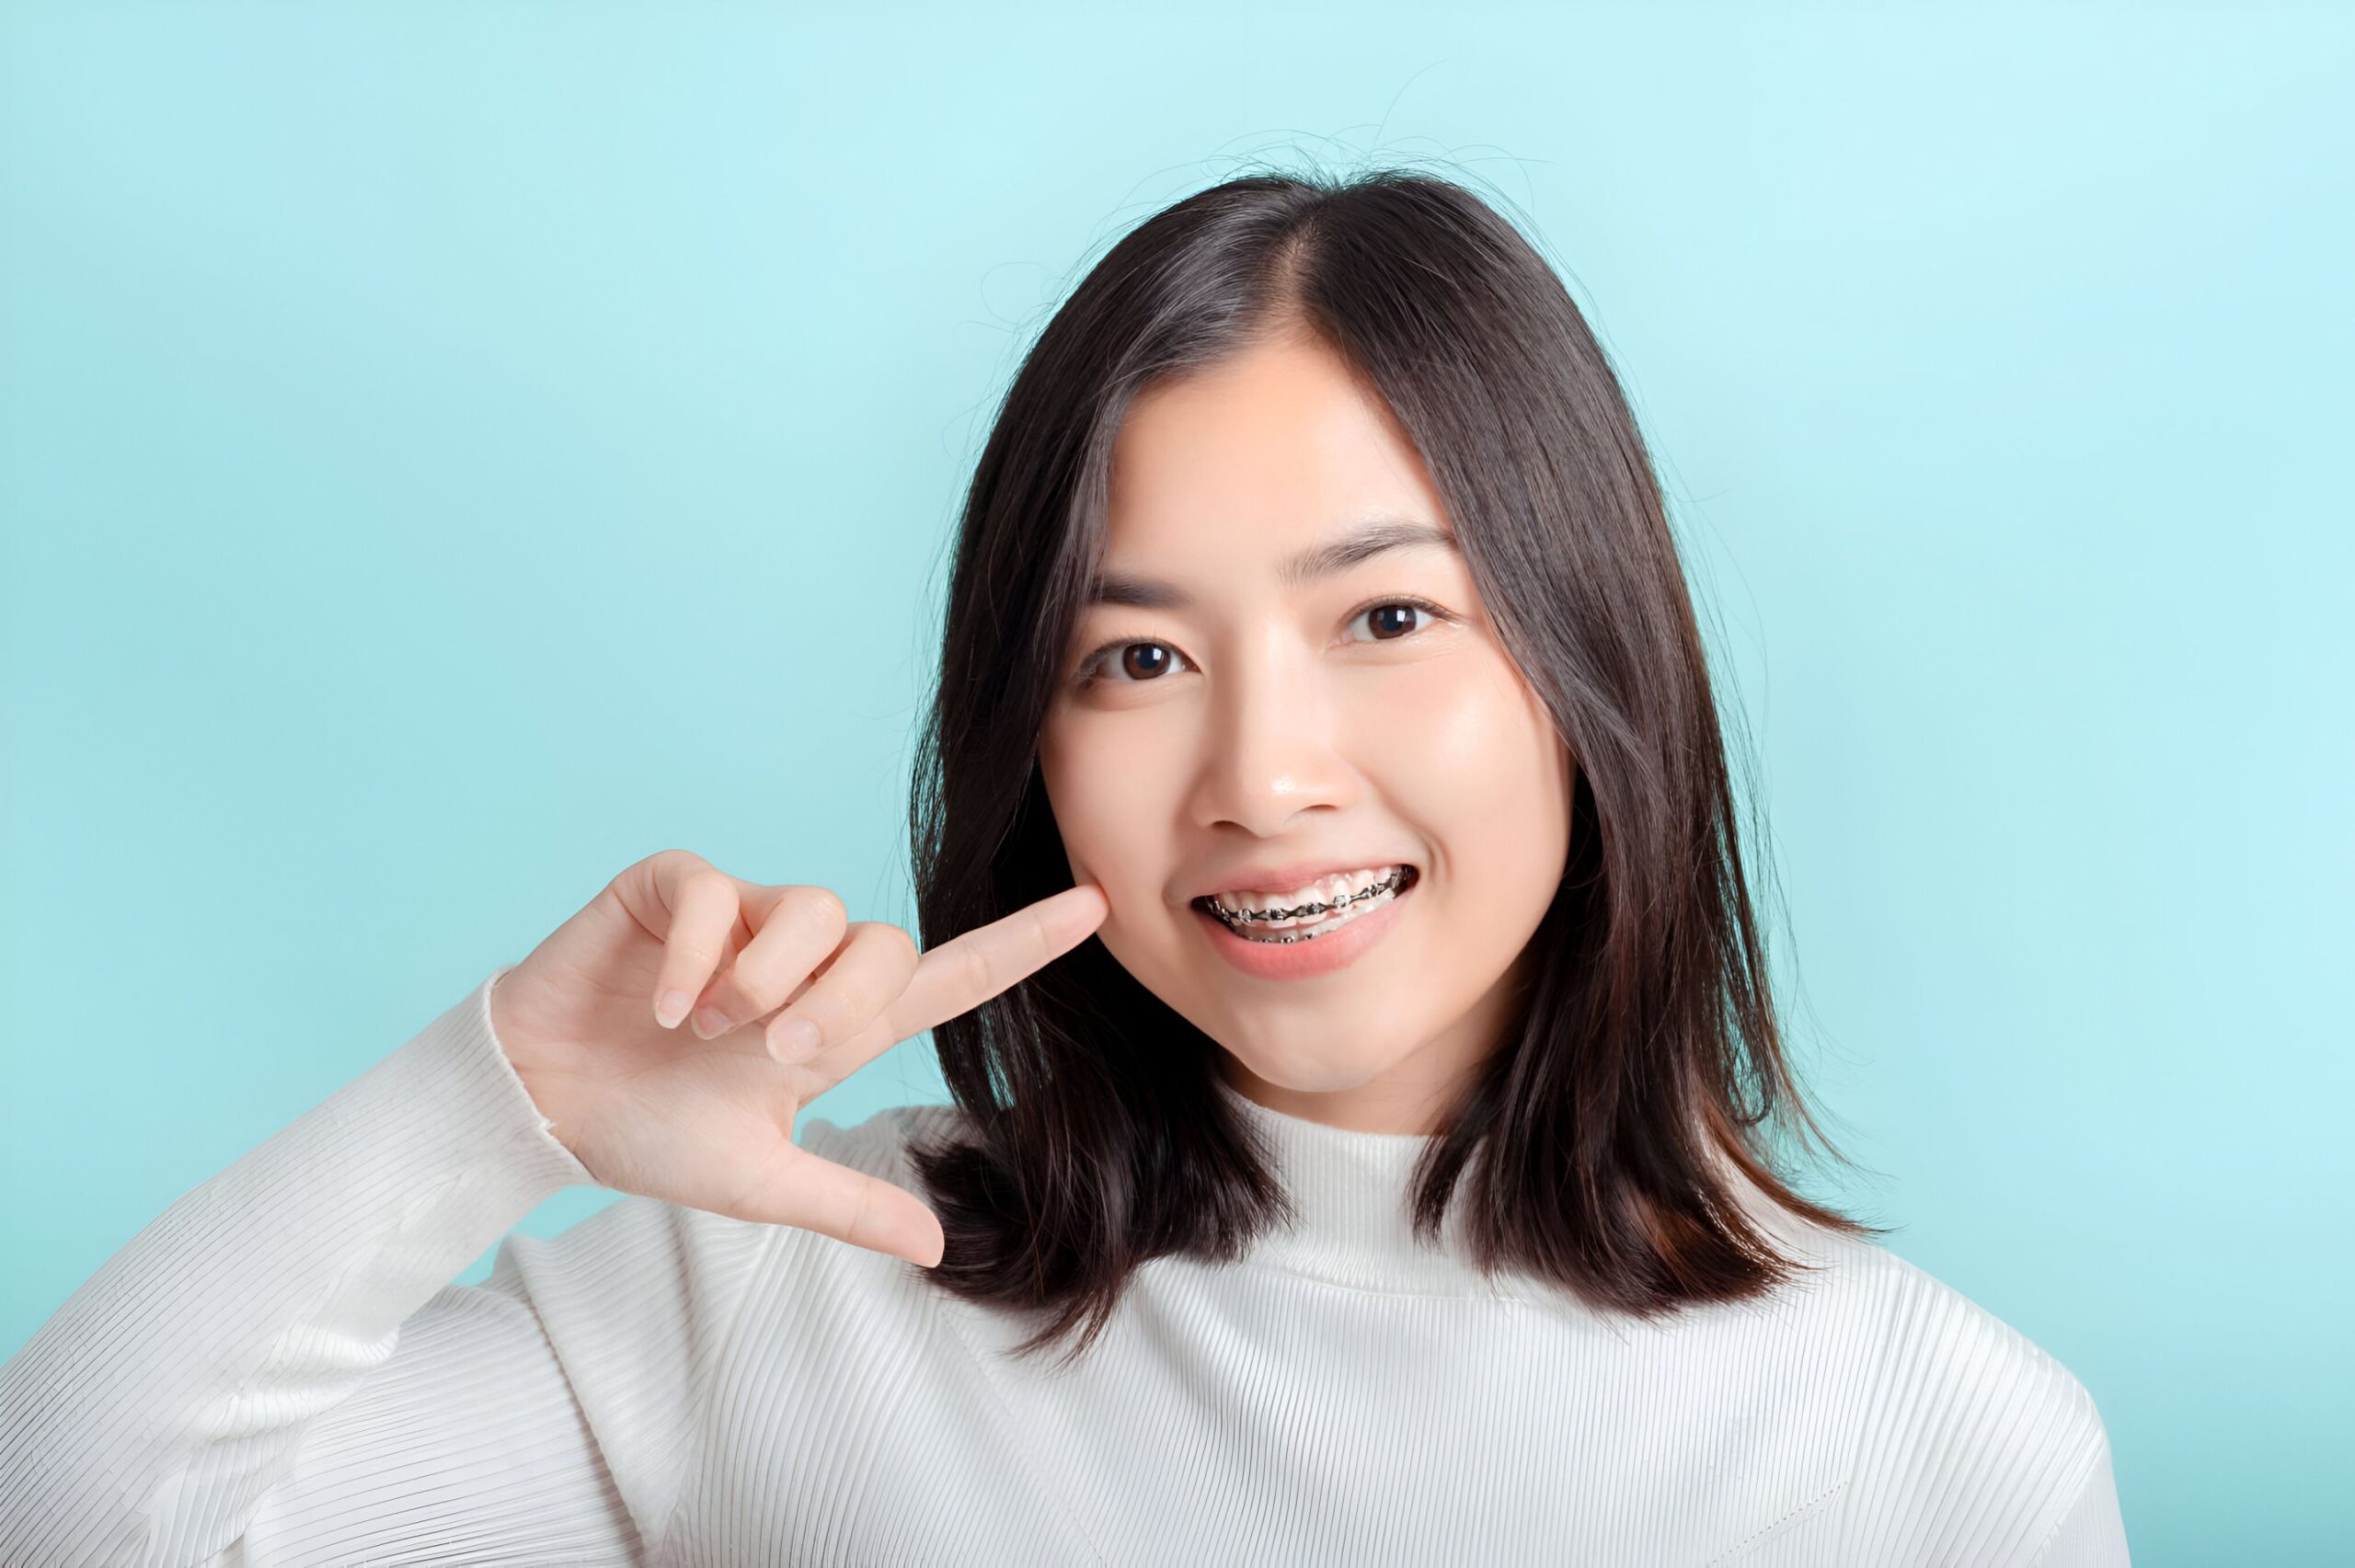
(1256, 459)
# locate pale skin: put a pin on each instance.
(1268, 719)
(1261, 728)
(591, 1021)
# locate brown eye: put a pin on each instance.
(1142, 661)
(1117, 664)
(1392, 620)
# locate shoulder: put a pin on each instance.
(1919, 1338)
(1960, 1417)
(1934, 1338)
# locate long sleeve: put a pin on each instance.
(2093, 1533)
(276, 1369)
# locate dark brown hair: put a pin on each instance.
(1644, 1064)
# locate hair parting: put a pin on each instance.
(1620, 1143)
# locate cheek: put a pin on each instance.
(1476, 753)
(1110, 806)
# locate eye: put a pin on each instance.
(1390, 620)
(1116, 656)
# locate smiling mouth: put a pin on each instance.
(1393, 884)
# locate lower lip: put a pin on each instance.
(1317, 956)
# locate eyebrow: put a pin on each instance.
(1362, 542)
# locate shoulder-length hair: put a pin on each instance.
(1599, 1143)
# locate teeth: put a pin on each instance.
(1309, 903)
(1324, 893)
(1354, 908)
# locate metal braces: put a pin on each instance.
(1389, 884)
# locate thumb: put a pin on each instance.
(811, 1193)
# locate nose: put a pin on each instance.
(1274, 745)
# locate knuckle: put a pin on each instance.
(895, 961)
(896, 941)
(708, 879)
(684, 866)
(858, 986)
(979, 971)
(819, 908)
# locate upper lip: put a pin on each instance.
(1285, 878)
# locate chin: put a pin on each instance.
(1304, 1074)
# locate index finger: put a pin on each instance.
(962, 973)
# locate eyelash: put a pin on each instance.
(1087, 675)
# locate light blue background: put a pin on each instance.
(450, 452)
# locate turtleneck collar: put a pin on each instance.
(1352, 1194)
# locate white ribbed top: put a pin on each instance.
(277, 1370)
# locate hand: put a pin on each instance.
(648, 1106)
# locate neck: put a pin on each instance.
(1351, 1197)
(1396, 1104)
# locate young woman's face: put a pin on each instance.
(1254, 698)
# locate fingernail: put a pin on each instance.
(796, 1040)
(710, 1023)
(671, 1007)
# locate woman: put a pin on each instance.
(1394, 1172)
